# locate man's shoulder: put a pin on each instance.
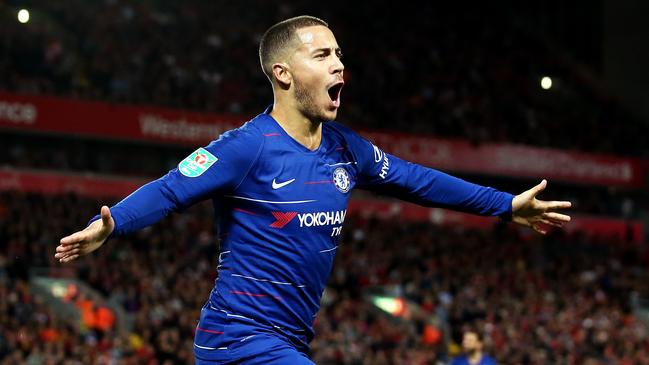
(253, 126)
(250, 131)
(244, 142)
(344, 134)
(337, 127)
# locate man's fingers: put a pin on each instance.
(556, 204)
(105, 215)
(69, 258)
(76, 237)
(539, 188)
(66, 248)
(537, 227)
(83, 242)
(557, 217)
(63, 255)
(552, 223)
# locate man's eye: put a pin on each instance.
(321, 55)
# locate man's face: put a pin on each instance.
(317, 73)
(470, 342)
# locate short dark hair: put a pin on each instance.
(475, 331)
(281, 35)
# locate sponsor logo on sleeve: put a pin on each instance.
(382, 156)
(197, 163)
(385, 167)
(378, 154)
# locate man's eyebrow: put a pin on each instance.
(323, 49)
(328, 50)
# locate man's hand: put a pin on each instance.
(88, 240)
(530, 212)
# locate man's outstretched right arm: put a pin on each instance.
(215, 169)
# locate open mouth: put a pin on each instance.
(334, 92)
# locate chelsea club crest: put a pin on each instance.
(341, 179)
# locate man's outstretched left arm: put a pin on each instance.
(393, 176)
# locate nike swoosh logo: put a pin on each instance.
(282, 184)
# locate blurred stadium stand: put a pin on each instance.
(477, 67)
(557, 299)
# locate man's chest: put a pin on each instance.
(323, 180)
(300, 190)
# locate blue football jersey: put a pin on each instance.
(464, 360)
(280, 209)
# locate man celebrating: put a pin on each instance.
(472, 347)
(280, 185)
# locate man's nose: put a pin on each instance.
(337, 66)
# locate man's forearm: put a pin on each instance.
(144, 207)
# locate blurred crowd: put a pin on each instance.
(69, 154)
(536, 300)
(558, 300)
(449, 70)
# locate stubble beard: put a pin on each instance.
(307, 105)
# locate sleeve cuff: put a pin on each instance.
(506, 215)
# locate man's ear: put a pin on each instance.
(282, 74)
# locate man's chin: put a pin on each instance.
(330, 115)
(322, 115)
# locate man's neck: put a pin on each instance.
(307, 132)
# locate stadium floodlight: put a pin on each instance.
(23, 16)
(392, 305)
(546, 82)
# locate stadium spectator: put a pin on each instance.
(473, 354)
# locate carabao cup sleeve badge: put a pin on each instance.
(197, 163)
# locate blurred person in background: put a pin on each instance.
(280, 185)
(472, 348)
